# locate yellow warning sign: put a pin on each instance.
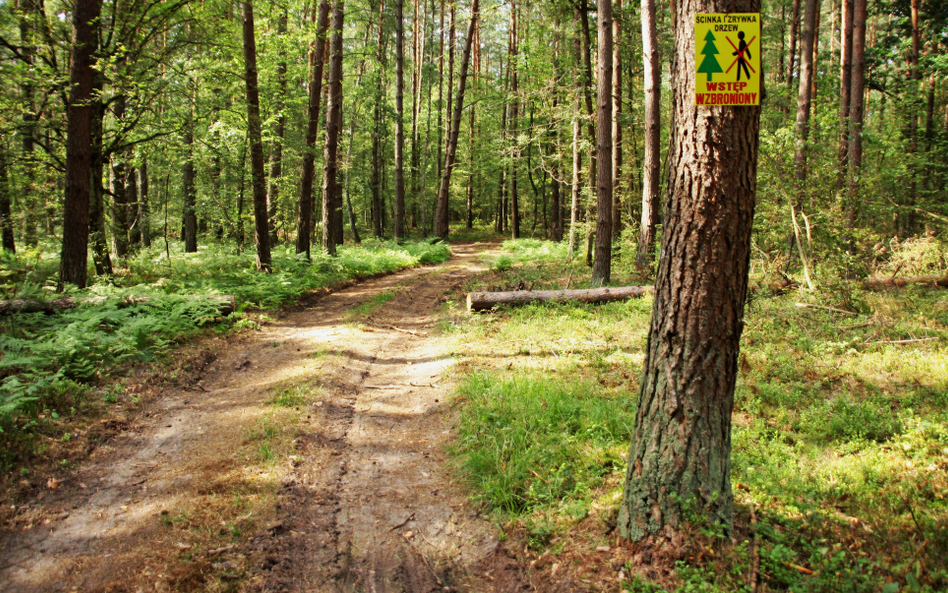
(727, 59)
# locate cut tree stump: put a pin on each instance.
(481, 301)
(226, 303)
(878, 283)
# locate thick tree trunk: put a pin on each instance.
(441, 216)
(6, 219)
(681, 445)
(845, 84)
(304, 215)
(651, 167)
(602, 263)
(257, 173)
(804, 94)
(331, 201)
(399, 226)
(856, 108)
(85, 23)
(482, 301)
(279, 126)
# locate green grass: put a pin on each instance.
(47, 362)
(839, 439)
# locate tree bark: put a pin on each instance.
(845, 85)
(187, 185)
(317, 51)
(906, 217)
(441, 215)
(120, 201)
(514, 123)
(377, 136)
(651, 166)
(482, 301)
(577, 154)
(331, 201)
(30, 11)
(680, 455)
(144, 208)
(399, 223)
(257, 173)
(804, 94)
(794, 27)
(85, 23)
(616, 124)
(7, 242)
(602, 262)
(279, 126)
(856, 108)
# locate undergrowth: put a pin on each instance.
(48, 362)
(839, 434)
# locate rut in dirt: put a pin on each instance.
(368, 505)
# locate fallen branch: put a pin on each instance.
(809, 306)
(226, 303)
(480, 301)
(879, 283)
(403, 523)
(913, 341)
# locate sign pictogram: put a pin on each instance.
(727, 59)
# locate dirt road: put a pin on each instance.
(357, 499)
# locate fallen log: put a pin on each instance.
(480, 301)
(225, 303)
(879, 283)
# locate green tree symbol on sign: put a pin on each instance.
(710, 63)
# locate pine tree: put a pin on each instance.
(710, 63)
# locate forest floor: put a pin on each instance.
(306, 456)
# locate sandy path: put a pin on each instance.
(367, 505)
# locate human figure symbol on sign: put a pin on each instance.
(742, 53)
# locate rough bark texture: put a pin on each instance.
(794, 27)
(804, 95)
(85, 22)
(616, 124)
(441, 214)
(331, 201)
(481, 301)
(514, 123)
(845, 84)
(651, 166)
(187, 185)
(304, 216)
(681, 442)
(120, 199)
(602, 261)
(856, 107)
(254, 132)
(399, 227)
(577, 155)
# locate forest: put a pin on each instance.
(182, 180)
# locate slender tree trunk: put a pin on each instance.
(514, 123)
(258, 176)
(441, 215)
(616, 124)
(845, 83)
(679, 462)
(6, 221)
(856, 108)
(79, 112)
(120, 201)
(399, 226)
(441, 116)
(814, 78)
(577, 155)
(144, 209)
(794, 27)
(333, 126)
(602, 263)
(470, 153)
(377, 148)
(317, 52)
(134, 208)
(187, 185)
(418, 50)
(279, 126)
(590, 127)
(804, 95)
(100, 246)
(31, 9)
(651, 168)
(907, 215)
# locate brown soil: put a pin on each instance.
(215, 486)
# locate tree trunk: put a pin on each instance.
(441, 215)
(470, 154)
(803, 96)
(97, 229)
(377, 148)
(794, 27)
(317, 51)
(482, 301)
(602, 264)
(257, 173)
(120, 202)
(279, 126)
(514, 124)
(681, 445)
(577, 155)
(333, 125)
(85, 23)
(845, 84)
(399, 226)
(6, 222)
(134, 208)
(651, 167)
(857, 89)
(907, 214)
(616, 124)
(30, 11)
(144, 208)
(187, 184)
